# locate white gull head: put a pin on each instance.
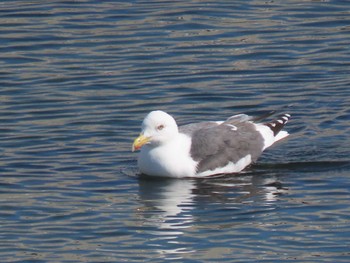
(164, 150)
(158, 127)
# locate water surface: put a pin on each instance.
(78, 78)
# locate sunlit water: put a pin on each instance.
(77, 80)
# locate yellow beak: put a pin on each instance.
(139, 142)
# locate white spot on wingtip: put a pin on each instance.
(233, 127)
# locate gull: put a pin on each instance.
(205, 148)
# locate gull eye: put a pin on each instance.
(160, 127)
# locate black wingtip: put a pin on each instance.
(263, 116)
(277, 125)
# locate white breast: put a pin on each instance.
(171, 159)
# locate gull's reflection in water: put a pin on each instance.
(172, 209)
(167, 199)
(167, 211)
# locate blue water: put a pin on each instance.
(76, 80)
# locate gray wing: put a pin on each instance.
(216, 145)
(189, 129)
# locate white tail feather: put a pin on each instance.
(281, 135)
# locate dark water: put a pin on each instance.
(76, 80)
